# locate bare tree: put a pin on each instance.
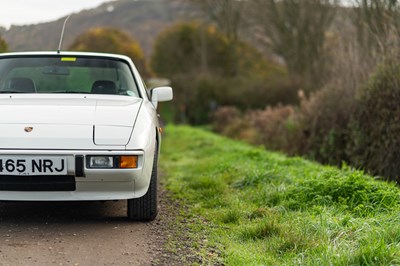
(296, 30)
(228, 16)
(378, 25)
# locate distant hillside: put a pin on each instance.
(143, 19)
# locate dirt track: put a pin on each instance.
(75, 233)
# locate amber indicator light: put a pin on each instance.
(128, 161)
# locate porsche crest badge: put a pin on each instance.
(28, 129)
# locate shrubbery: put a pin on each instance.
(375, 126)
(332, 125)
(322, 121)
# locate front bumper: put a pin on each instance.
(89, 184)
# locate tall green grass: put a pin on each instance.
(254, 207)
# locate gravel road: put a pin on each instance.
(76, 233)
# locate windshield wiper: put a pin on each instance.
(12, 92)
(76, 92)
(67, 92)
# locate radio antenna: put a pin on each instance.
(62, 34)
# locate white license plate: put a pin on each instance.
(33, 165)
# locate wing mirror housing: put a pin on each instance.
(161, 94)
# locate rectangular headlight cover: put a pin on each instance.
(101, 162)
(108, 162)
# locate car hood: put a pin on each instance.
(60, 122)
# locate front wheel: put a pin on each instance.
(145, 208)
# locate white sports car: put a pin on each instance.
(78, 126)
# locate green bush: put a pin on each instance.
(191, 48)
(375, 126)
(322, 125)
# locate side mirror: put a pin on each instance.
(161, 94)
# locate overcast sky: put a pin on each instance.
(21, 12)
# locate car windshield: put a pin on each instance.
(66, 74)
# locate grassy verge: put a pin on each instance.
(248, 206)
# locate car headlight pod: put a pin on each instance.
(112, 162)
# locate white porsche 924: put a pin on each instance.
(76, 127)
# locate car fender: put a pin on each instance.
(144, 137)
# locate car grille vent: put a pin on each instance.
(37, 183)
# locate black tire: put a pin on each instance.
(145, 208)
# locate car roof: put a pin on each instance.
(62, 53)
